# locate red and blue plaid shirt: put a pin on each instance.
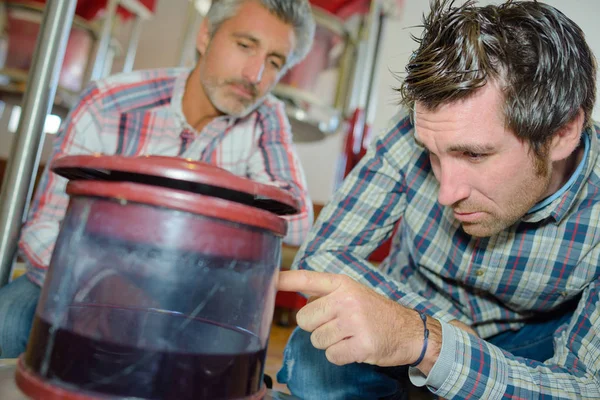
(494, 284)
(140, 113)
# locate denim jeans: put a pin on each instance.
(18, 301)
(310, 376)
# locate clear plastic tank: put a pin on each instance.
(155, 293)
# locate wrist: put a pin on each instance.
(433, 347)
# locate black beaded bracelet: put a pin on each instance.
(425, 340)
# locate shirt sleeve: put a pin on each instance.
(275, 162)
(442, 367)
(80, 133)
(480, 370)
(362, 215)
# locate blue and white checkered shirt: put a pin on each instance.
(493, 284)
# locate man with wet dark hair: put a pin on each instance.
(492, 178)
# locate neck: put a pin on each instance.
(563, 170)
(197, 107)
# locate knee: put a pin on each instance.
(14, 316)
(302, 364)
(17, 298)
(309, 375)
(17, 307)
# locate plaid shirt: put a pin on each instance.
(494, 284)
(140, 113)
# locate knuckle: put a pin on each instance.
(302, 319)
(357, 319)
(349, 301)
(334, 357)
(345, 279)
(317, 340)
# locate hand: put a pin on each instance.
(353, 323)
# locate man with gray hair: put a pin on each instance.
(220, 112)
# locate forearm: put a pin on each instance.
(81, 133)
(434, 345)
(40, 231)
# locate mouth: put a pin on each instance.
(468, 216)
(242, 91)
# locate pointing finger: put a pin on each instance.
(308, 282)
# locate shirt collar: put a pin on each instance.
(559, 204)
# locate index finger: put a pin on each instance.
(308, 282)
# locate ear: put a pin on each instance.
(203, 37)
(566, 140)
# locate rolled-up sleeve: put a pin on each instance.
(80, 133)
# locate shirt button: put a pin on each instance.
(479, 272)
(565, 293)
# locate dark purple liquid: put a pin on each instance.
(109, 368)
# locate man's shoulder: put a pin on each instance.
(398, 134)
(594, 136)
(270, 115)
(139, 77)
(586, 195)
(596, 129)
(136, 89)
(401, 124)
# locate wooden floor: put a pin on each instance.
(277, 341)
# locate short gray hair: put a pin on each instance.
(294, 12)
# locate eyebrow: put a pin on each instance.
(460, 148)
(255, 40)
(471, 148)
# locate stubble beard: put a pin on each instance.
(525, 197)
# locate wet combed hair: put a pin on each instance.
(537, 55)
(297, 13)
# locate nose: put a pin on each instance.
(453, 186)
(253, 69)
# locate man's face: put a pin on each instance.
(487, 175)
(244, 59)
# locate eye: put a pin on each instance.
(243, 45)
(275, 64)
(474, 156)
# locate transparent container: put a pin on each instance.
(155, 293)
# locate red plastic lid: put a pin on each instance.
(172, 199)
(179, 174)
